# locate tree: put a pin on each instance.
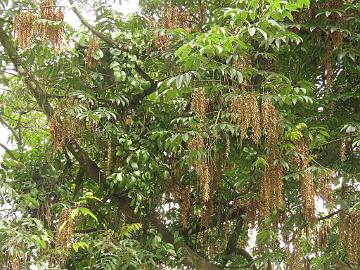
(190, 135)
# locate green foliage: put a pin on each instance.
(129, 169)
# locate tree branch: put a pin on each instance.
(329, 215)
(41, 98)
(108, 40)
(191, 258)
(231, 245)
(12, 130)
(8, 151)
(92, 169)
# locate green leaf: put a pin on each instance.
(179, 80)
(252, 31)
(98, 54)
(87, 211)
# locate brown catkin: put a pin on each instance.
(245, 112)
(271, 185)
(15, 263)
(62, 133)
(265, 195)
(323, 235)
(325, 190)
(202, 14)
(269, 265)
(64, 232)
(172, 17)
(93, 46)
(353, 237)
(109, 154)
(342, 151)
(202, 167)
(185, 206)
(252, 212)
(199, 103)
(51, 34)
(206, 214)
(306, 182)
(24, 29)
(342, 228)
(270, 122)
(296, 263)
(328, 66)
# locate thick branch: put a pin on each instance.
(42, 100)
(191, 257)
(329, 215)
(7, 150)
(29, 79)
(231, 245)
(12, 130)
(137, 98)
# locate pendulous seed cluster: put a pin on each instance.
(354, 238)
(109, 154)
(199, 103)
(206, 214)
(271, 185)
(172, 18)
(186, 204)
(44, 214)
(342, 150)
(15, 263)
(93, 45)
(62, 133)
(306, 181)
(64, 232)
(270, 122)
(245, 112)
(324, 189)
(24, 29)
(294, 262)
(323, 235)
(51, 34)
(349, 235)
(204, 174)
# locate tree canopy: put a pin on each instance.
(189, 135)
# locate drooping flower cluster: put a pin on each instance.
(186, 204)
(323, 235)
(294, 261)
(342, 150)
(44, 214)
(199, 102)
(51, 34)
(25, 27)
(245, 112)
(62, 133)
(306, 181)
(349, 235)
(353, 237)
(173, 17)
(270, 122)
(271, 185)
(324, 189)
(204, 174)
(64, 232)
(93, 45)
